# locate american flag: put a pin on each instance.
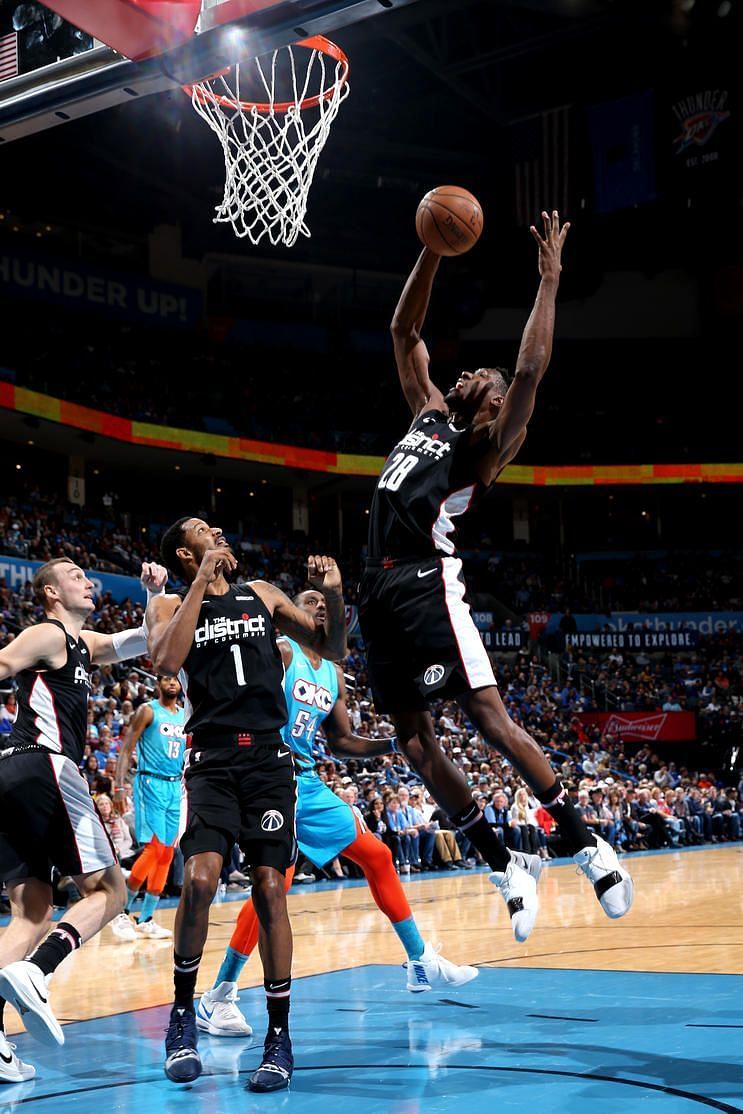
(8, 55)
(542, 177)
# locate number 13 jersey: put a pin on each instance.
(429, 479)
(233, 674)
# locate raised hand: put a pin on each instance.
(323, 573)
(550, 248)
(216, 561)
(153, 577)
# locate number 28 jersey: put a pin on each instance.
(233, 672)
(429, 479)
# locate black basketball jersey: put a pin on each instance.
(429, 479)
(233, 673)
(53, 703)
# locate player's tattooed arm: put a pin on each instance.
(508, 430)
(411, 353)
(40, 645)
(339, 732)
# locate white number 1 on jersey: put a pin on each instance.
(239, 671)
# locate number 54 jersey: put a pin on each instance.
(429, 478)
(326, 825)
(310, 695)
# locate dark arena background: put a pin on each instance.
(153, 365)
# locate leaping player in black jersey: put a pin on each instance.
(239, 775)
(421, 641)
(47, 816)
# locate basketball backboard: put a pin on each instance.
(54, 72)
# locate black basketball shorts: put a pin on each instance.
(47, 817)
(245, 795)
(421, 641)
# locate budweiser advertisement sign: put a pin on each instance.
(650, 727)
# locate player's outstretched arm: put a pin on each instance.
(411, 354)
(139, 722)
(108, 648)
(508, 429)
(339, 732)
(41, 645)
(329, 640)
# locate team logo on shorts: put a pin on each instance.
(271, 821)
(433, 674)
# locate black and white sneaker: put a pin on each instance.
(612, 883)
(532, 864)
(519, 891)
(277, 1065)
(12, 1067)
(182, 1060)
(24, 985)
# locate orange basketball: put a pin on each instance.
(449, 220)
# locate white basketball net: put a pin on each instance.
(271, 149)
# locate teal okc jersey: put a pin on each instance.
(310, 695)
(161, 746)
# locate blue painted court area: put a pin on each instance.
(513, 1040)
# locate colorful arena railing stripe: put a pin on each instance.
(345, 464)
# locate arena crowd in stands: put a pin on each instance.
(39, 526)
(636, 797)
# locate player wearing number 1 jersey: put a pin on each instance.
(421, 640)
(326, 827)
(239, 776)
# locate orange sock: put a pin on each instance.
(245, 936)
(375, 859)
(144, 866)
(158, 876)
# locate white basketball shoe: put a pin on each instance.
(123, 929)
(532, 864)
(151, 930)
(519, 891)
(612, 883)
(433, 968)
(24, 985)
(217, 1012)
(12, 1067)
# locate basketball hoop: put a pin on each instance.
(271, 146)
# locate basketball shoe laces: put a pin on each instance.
(181, 1031)
(277, 1055)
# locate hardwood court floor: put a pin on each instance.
(686, 918)
(644, 1013)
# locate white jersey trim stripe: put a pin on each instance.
(454, 504)
(94, 848)
(41, 701)
(187, 705)
(475, 661)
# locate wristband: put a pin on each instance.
(130, 643)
